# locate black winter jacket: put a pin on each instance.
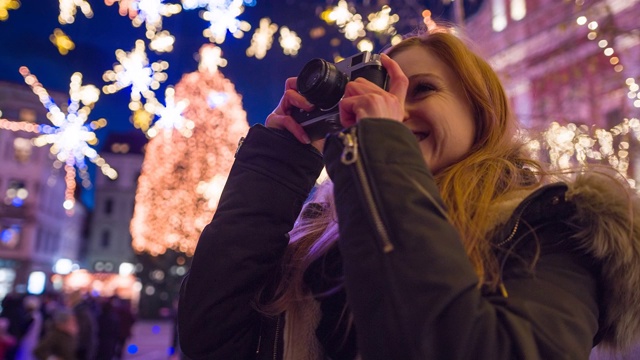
(410, 286)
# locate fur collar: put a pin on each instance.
(609, 214)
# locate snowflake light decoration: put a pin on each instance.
(170, 116)
(289, 41)
(70, 138)
(5, 6)
(61, 41)
(68, 10)
(210, 58)
(222, 16)
(382, 21)
(134, 70)
(262, 39)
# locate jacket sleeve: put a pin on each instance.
(244, 243)
(410, 285)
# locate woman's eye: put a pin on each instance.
(421, 88)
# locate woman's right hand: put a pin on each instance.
(281, 117)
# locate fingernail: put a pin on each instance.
(305, 139)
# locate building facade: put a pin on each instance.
(567, 61)
(35, 230)
(109, 242)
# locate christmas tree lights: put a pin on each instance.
(182, 177)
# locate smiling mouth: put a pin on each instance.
(421, 135)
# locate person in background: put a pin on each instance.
(87, 319)
(60, 340)
(7, 341)
(31, 337)
(436, 237)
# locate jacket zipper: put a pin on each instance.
(350, 156)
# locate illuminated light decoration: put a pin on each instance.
(161, 42)
(150, 12)
(382, 21)
(68, 10)
(354, 29)
(339, 15)
(170, 116)
(125, 7)
(133, 70)
(5, 6)
(573, 145)
(181, 177)
(223, 17)
(289, 41)
(70, 138)
(609, 51)
(210, 58)
(62, 42)
(262, 39)
(141, 119)
(215, 99)
(365, 45)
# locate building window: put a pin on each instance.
(499, 8)
(108, 206)
(518, 9)
(16, 193)
(106, 239)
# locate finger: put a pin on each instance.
(291, 83)
(290, 99)
(398, 82)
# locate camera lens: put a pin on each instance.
(321, 83)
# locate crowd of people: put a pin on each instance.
(74, 326)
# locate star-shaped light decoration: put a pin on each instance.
(5, 6)
(62, 41)
(170, 116)
(70, 137)
(262, 39)
(68, 10)
(134, 70)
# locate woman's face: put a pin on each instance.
(436, 108)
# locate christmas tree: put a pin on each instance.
(186, 164)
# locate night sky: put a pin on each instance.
(24, 41)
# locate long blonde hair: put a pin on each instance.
(492, 168)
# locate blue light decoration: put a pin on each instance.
(132, 349)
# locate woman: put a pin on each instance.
(435, 239)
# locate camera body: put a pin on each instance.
(323, 84)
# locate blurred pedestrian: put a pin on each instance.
(127, 319)
(31, 337)
(7, 341)
(87, 321)
(108, 330)
(59, 341)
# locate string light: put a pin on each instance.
(609, 51)
(289, 41)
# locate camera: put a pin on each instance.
(323, 84)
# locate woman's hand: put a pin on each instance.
(364, 99)
(281, 117)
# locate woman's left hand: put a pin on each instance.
(364, 99)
